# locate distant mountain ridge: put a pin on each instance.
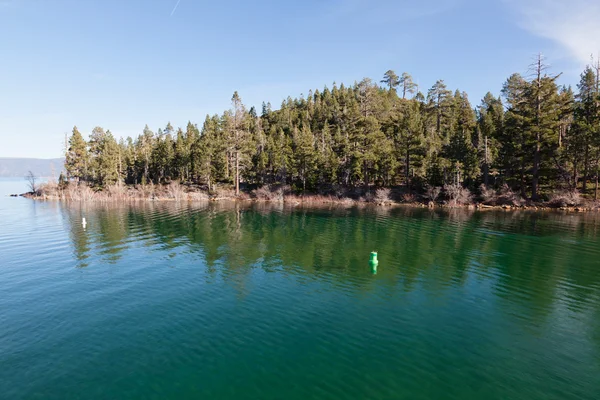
(19, 167)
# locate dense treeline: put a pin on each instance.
(537, 137)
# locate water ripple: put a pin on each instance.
(231, 301)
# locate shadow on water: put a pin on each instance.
(529, 255)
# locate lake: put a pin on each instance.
(226, 301)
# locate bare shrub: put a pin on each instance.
(502, 197)
(345, 200)
(567, 198)
(81, 192)
(292, 198)
(243, 196)
(323, 199)
(315, 199)
(368, 198)
(146, 191)
(86, 193)
(270, 193)
(72, 193)
(198, 196)
(262, 193)
(409, 198)
(117, 191)
(32, 182)
(432, 192)
(223, 193)
(507, 197)
(488, 195)
(48, 190)
(175, 191)
(382, 196)
(458, 195)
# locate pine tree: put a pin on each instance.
(239, 137)
(408, 139)
(143, 149)
(162, 160)
(181, 156)
(440, 102)
(305, 156)
(490, 120)
(407, 84)
(587, 115)
(108, 161)
(96, 144)
(461, 151)
(77, 158)
(391, 80)
(514, 155)
(543, 99)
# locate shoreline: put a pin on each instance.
(309, 200)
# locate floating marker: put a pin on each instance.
(373, 262)
(83, 222)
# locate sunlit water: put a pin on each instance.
(218, 301)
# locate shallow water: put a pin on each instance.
(222, 301)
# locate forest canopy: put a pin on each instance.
(537, 137)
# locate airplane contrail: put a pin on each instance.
(175, 8)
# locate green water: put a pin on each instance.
(218, 301)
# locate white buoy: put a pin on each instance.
(83, 222)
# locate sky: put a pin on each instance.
(122, 64)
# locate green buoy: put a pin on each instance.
(373, 259)
(373, 262)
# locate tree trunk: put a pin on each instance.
(585, 169)
(407, 169)
(538, 138)
(486, 166)
(596, 188)
(536, 168)
(522, 184)
(237, 173)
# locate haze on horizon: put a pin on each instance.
(122, 66)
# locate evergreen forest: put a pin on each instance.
(536, 138)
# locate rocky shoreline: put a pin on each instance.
(314, 200)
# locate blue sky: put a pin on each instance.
(121, 64)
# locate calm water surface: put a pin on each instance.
(214, 301)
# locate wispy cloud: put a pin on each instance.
(573, 24)
(175, 8)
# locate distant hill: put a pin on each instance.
(19, 167)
